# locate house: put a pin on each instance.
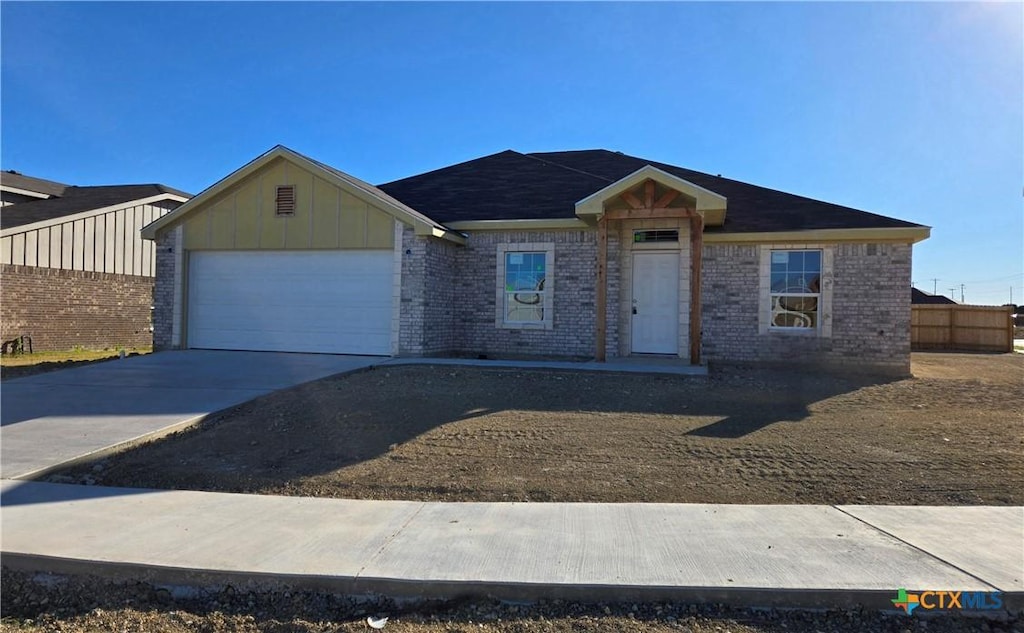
(74, 268)
(919, 297)
(15, 188)
(589, 254)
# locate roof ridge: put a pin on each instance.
(578, 171)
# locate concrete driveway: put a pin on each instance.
(57, 417)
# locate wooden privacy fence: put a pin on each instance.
(954, 326)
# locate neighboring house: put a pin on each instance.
(75, 270)
(590, 254)
(15, 188)
(919, 297)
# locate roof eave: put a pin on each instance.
(538, 224)
(901, 234)
(26, 192)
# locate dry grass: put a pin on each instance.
(18, 365)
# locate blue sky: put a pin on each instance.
(905, 109)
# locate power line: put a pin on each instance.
(981, 281)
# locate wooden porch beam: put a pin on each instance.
(696, 261)
(601, 302)
(666, 199)
(631, 200)
(649, 194)
(648, 214)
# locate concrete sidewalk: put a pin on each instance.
(56, 418)
(784, 556)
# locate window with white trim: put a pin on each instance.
(795, 289)
(524, 297)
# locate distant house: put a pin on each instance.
(16, 188)
(917, 297)
(587, 254)
(75, 270)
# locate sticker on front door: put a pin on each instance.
(655, 314)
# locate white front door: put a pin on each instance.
(655, 320)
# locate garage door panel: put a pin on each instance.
(307, 319)
(286, 341)
(309, 301)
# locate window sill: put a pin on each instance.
(795, 331)
(525, 326)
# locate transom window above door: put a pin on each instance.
(656, 235)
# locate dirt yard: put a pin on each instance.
(953, 435)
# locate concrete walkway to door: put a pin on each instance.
(58, 417)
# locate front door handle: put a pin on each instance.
(634, 309)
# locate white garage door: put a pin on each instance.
(307, 301)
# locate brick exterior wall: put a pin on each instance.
(573, 325)
(167, 243)
(427, 306)
(63, 309)
(448, 304)
(871, 305)
(870, 309)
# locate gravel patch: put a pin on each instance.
(35, 602)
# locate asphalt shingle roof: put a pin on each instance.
(78, 199)
(920, 297)
(28, 183)
(510, 185)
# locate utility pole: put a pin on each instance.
(935, 286)
(952, 294)
(961, 293)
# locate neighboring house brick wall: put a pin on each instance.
(63, 309)
(870, 309)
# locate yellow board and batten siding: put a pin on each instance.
(326, 217)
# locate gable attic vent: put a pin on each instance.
(286, 200)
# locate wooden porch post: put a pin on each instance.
(602, 288)
(696, 259)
